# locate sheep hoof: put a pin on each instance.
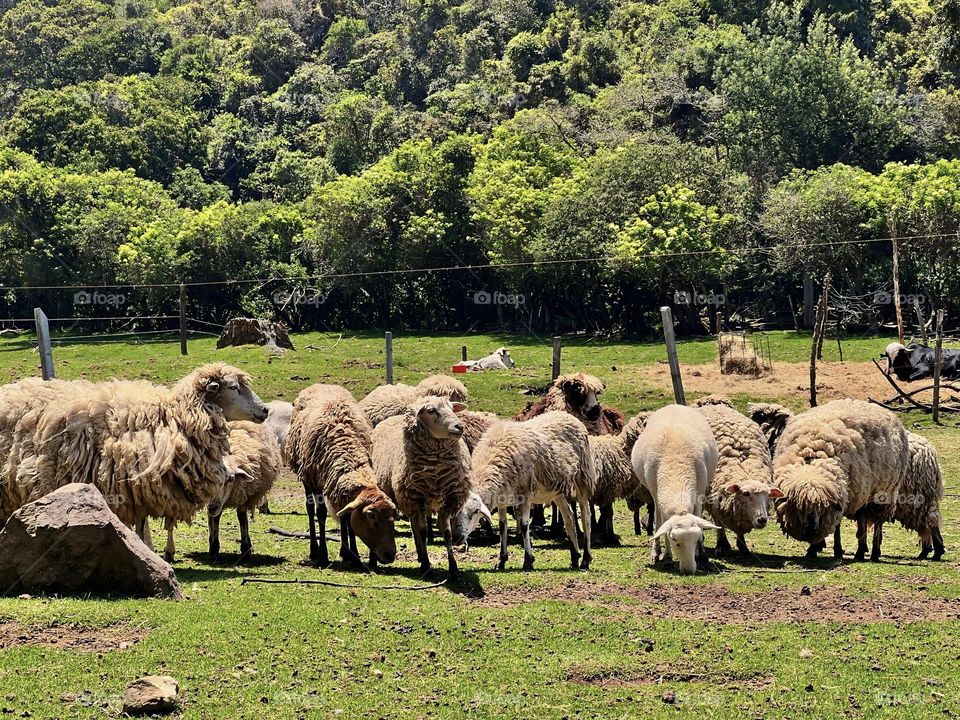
(527, 564)
(875, 557)
(168, 557)
(860, 555)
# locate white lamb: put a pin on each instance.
(675, 458)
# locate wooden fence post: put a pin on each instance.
(920, 321)
(43, 344)
(671, 342)
(937, 362)
(463, 353)
(389, 338)
(896, 285)
(556, 357)
(183, 319)
(819, 329)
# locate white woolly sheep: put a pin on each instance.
(390, 400)
(772, 419)
(918, 505)
(675, 458)
(847, 458)
(424, 466)
(738, 498)
(152, 451)
(499, 359)
(254, 462)
(542, 460)
(329, 448)
(615, 476)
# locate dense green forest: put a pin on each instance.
(595, 157)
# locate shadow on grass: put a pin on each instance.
(230, 560)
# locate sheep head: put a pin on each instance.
(505, 358)
(372, 516)
(438, 416)
(581, 393)
(814, 499)
(685, 533)
(750, 499)
(469, 517)
(218, 385)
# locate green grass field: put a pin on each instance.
(777, 636)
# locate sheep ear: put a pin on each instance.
(664, 529)
(459, 407)
(705, 524)
(485, 511)
(732, 489)
(358, 503)
(212, 386)
(776, 493)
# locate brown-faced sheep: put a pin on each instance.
(738, 498)
(390, 400)
(329, 448)
(918, 505)
(254, 462)
(541, 460)
(675, 458)
(615, 476)
(423, 465)
(577, 394)
(772, 419)
(153, 452)
(847, 458)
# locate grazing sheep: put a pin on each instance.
(254, 462)
(423, 465)
(389, 400)
(847, 458)
(772, 419)
(918, 505)
(675, 458)
(475, 424)
(279, 413)
(615, 476)
(541, 460)
(152, 451)
(329, 448)
(577, 394)
(738, 498)
(499, 359)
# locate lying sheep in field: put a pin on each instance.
(329, 447)
(918, 505)
(279, 413)
(577, 394)
(423, 465)
(153, 452)
(615, 477)
(541, 460)
(390, 400)
(845, 458)
(254, 461)
(499, 359)
(675, 458)
(738, 498)
(772, 419)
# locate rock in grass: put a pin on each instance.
(151, 695)
(71, 542)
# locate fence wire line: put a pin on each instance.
(484, 266)
(81, 318)
(55, 339)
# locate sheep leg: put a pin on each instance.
(815, 548)
(447, 528)
(418, 524)
(742, 545)
(246, 546)
(213, 536)
(537, 517)
(571, 529)
(265, 507)
(861, 539)
(523, 530)
(587, 531)
(649, 519)
(606, 526)
(723, 545)
(502, 514)
(430, 538)
(655, 545)
(143, 530)
(938, 546)
(318, 550)
(637, 527)
(170, 550)
(837, 544)
(347, 544)
(877, 542)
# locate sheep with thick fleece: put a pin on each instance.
(424, 466)
(577, 394)
(329, 448)
(542, 460)
(390, 400)
(918, 505)
(475, 424)
(152, 451)
(254, 463)
(847, 458)
(615, 476)
(772, 419)
(738, 498)
(675, 458)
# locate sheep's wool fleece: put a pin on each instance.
(442, 386)
(475, 424)
(420, 473)
(549, 454)
(150, 450)
(918, 506)
(254, 450)
(849, 453)
(329, 445)
(387, 401)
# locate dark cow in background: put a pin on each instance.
(915, 362)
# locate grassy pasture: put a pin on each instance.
(773, 636)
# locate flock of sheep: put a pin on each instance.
(417, 451)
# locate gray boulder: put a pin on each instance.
(70, 542)
(151, 695)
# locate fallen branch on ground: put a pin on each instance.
(283, 581)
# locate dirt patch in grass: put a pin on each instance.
(71, 637)
(714, 603)
(625, 677)
(859, 380)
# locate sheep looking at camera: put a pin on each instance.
(577, 394)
